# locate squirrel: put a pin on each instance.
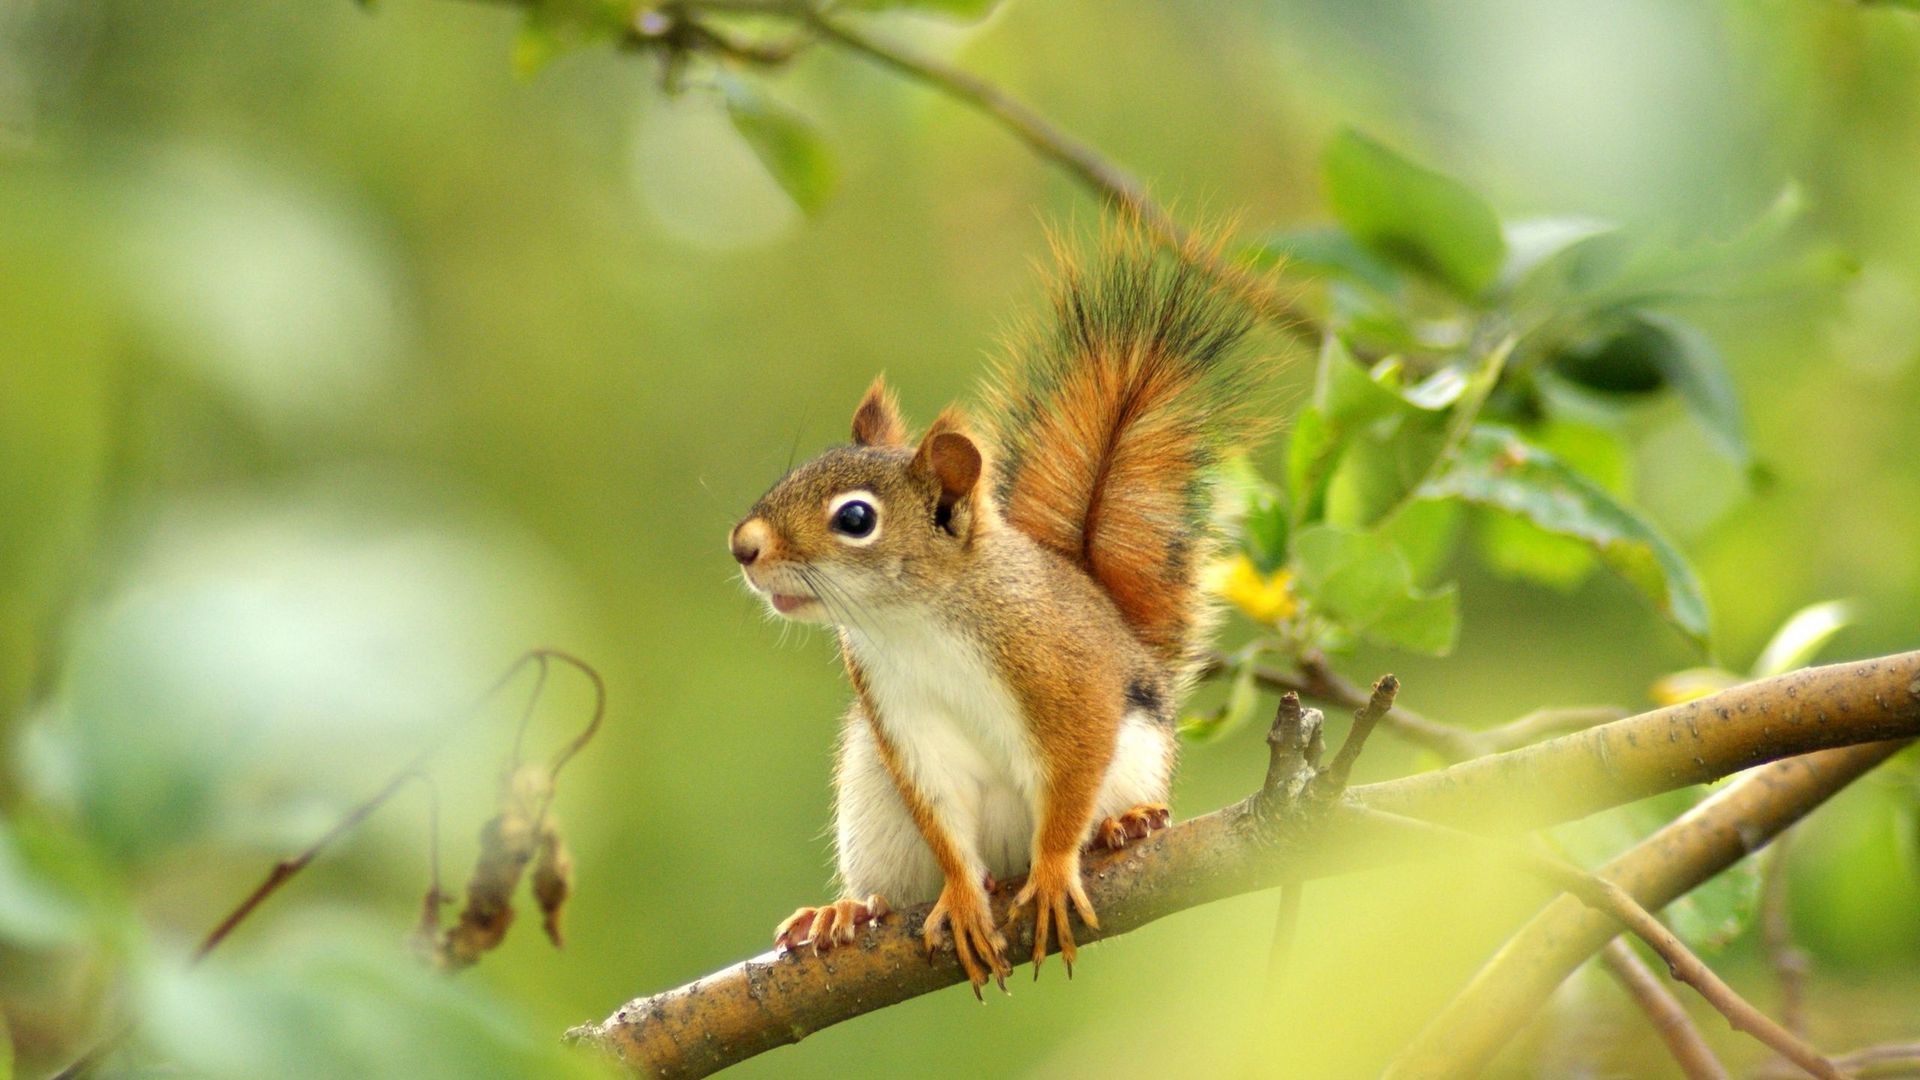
(1018, 605)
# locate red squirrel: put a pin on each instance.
(1018, 605)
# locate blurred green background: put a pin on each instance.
(338, 365)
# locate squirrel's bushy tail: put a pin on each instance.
(1108, 422)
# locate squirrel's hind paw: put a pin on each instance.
(978, 945)
(1117, 832)
(1050, 891)
(824, 927)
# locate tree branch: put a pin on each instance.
(1078, 159)
(1720, 831)
(678, 29)
(1664, 1011)
(771, 1000)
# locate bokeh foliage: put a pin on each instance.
(344, 353)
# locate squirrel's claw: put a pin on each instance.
(979, 947)
(1050, 892)
(824, 927)
(1117, 832)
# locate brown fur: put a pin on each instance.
(1109, 425)
(876, 422)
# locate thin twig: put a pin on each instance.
(1882, 1062)
(1294, 746)
(1603, 895)
(1319, 683)
(285, 870)
(1333, 779)
(1893, 1059)
(1457, 743)
(1079, 160)
(1664, 1011)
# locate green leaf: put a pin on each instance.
(1496, 468)
(1615, 271)
(1646, 351)
(1536, 246)
(1422, 622)
(1514, 547)
(1412, 215)
(1693, 367)
(1711, 916)
(1369, 437)
(1310, 448)
(1249, 505)
(1263, 531)
(1383, 435)
(786, 143)
(1363, 582)
(1802, 636)
(1426, 532)
(1621, 360)
(1323, 251)
(6, 1048)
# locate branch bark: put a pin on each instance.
(771, 999)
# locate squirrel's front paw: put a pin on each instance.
(1052, 884)
(825, 927)
(977, 943)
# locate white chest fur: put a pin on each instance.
(960, 736)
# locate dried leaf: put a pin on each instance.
(507, 844)
(552, 880)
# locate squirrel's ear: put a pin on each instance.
(877, 421)
(955, 463)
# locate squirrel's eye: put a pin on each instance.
(855, 518)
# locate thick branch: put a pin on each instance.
(1719, 832)
(772, 1000)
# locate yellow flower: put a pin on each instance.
(1691, 684)
(1266, 598)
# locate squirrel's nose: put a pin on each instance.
(748, 540)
